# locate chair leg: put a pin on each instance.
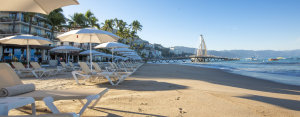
(75, 77)
(121, 79)
(4, 110)
(49, 103)
(90, 99)
(33, 109)
(110, 81)
(35, 75)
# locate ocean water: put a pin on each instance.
(285, 71)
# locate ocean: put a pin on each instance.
(285, 71)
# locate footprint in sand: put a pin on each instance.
(181, 112)
(140, 110)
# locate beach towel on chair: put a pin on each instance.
(16, 90)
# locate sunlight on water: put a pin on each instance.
(283, 71)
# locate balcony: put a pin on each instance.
(43, 26)
(7, 19)
(7, 32)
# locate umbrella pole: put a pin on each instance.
(112, 55)
(27, 54)
(66, 57)
(91, 53)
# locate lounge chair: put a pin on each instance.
(73, 66)
(20, 69)
(9, 78)
(86, 73)
(120, 75)
(65, 67)
(42, 71)
(51, 115)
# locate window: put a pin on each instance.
(12, 15)
(38, 31)
(24, 29)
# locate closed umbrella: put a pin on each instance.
(112, 46)
(65, 49)
(36, 6)
(88, 35)
(25, 40)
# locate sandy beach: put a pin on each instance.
(177, 90)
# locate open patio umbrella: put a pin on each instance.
(25, 40)
(88, 35)
(112, 46)
(65, 49)
(36, 6)
(88, 52)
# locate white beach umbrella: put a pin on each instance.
(65, 49)
(112, 46)
(88, 52)
(25, 40)
(88, 35)
(37, 6)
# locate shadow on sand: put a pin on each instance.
(285, 103)
(172, 71)
(143, 85)
(110, 114)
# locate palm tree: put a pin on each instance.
(14, 22)
(78, 20)
(108, 25)
(56, 18)
(29, 16)
(91, 19)
(136, 26)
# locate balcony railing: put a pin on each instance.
(7, 19)
(7, 32)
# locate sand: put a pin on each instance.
(180, 91)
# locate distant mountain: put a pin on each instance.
(258, 54)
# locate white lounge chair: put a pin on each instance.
(9, 78)
(20, 69)
(86, 73)
(66, 67)
(120, 75)
(73, 66)
(42, 71)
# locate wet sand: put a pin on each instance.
(177, 90)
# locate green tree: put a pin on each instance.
(29, 17)
(136, 26)
(108, 25)
(14, 22)
(78, 20)
(91, 19)
(56, 18)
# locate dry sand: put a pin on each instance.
(176, 90)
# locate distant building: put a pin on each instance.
(20, 24)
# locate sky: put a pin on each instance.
(224, 24)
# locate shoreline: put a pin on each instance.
(262, 76)
(179, 90)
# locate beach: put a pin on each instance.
(178, 90)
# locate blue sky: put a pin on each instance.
(225, 24)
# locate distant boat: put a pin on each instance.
(252, 58)
(280, 58)
(273, 59)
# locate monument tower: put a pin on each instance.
(201, 51)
